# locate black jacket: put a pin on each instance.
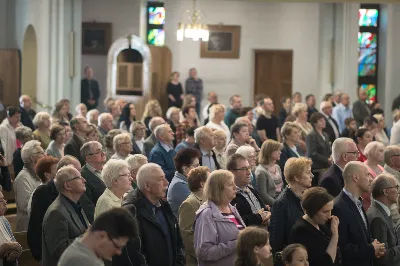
(282, 116)
(26, 119)
(73, 147)
(94, 185)
(285, 211)
(151, 247)
(332, 180)
(17, 161)
(197, 147)
(85, 94)
(318, 150)
(5, 178)
(329, 129)
(244, 208)
(316, 242)
(287, 153)
(310, 111)
(354, 238)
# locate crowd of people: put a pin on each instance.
(219, 186)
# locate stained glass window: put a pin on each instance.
(156, 37)
(156, 15)
(368, 17)
(367, 43)
(371, 92)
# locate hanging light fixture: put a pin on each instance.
(194, 29)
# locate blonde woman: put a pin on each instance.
(268, 173)
(42, 133)
(138, 131)
(174, 91)
(152, 109)
(60, 112)
(217, 114)
(299, 111)
(380, 134)
(219, 149)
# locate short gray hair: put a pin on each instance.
(245, 151)
(161, 130)
(339, 147)
(103, 117)
(372, 147)
(200, 133)
(39, 118)
(381, 182)
(389, 152)
(172, 110)
(134, 161)
(67, 160)
(90, 114)
(133, 127)
(23, 132)
(118, 139)
(87, 148)
(145, 174)
(156, 121)
(112, 170)
(29, 149)
(64, 174)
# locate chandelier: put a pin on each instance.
(194, 29)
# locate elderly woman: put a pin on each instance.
(173, 119)
(187, 211)
(92, 134)
(138, 131)
(109, 140)
(134, 163)
(287, 209)
(217, 114)
(380, 133)
(312, 232)
(58, 137)
(128, 116)
(23, 134)
(219, 149)
(218, 223)
(10, 249)
(81, 109)
(190, 120)
(361, 137)
(42, 133)
(374, 152)
(299, 111)
(290, 136)
(92, 116)
(152, 109)
(185, 160)
(26, 182)
(249, 153)
(118, 179)
(268, 173)
(122, 146)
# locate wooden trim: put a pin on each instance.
(235, 51)
(106, 27)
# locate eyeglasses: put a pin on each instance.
(78, 177)
(396, 186)
(127, 174)
(126, 143)
(243, 169)
(112, 240)
(395, 155)
(355, 153)
(103, 151)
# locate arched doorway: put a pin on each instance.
(29, 64)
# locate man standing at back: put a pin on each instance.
(361, 108)
(355, 242)
(90, 92)
(267, 124)
(27, 113)
(234, 112)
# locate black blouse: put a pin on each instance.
(176, 91)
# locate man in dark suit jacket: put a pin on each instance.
(90, 92)
(95, 158)
(163, 153)
(332, 127)
(73, 146)
(355, 240)
(27, 113)
(64, 219)
(361, 108)
(344, 150)
(385, 193)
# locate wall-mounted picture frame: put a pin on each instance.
(224, 42)
(96, 38)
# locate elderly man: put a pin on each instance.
(122, 146)
(105, 124)
(74, 145)
(159, 229)
(267, 123)
(395, 132)
(234, 112)
(332, 127)
(27, 113)
(355, 241)
(342, 111)
(90, 92)
(26, 182)
(344, 150)
(385, 192)
(95, 159)
(135, 162)
(64, 219)
(361, 108)
(205, 142)
(247, 198)
(149, 143)
(391, 158)
(163, 153)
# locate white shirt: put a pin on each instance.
(395, 134)
(204, 114)
(140, 144)
(222, 127)
(107, 201)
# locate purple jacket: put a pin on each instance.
(215, 236)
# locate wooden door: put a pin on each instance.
(9, 78)
(273, 74)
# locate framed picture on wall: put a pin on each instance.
(96, 38)
(224, 42)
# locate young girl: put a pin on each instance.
(295, 255)
(252, 247)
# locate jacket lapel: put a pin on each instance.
(388, 220)
(74, 215)
(358, 215)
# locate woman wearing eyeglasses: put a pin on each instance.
(118, 179)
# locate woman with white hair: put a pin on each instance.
(42, 133)
(250, 154)
(380, 133)
(134, 163)
(374, 152)
(117, 177)
(299, 111)
(122, 146)
(26, 182)
(92, 116)
(217, 115)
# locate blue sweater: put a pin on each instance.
(178, 191)
(164, 159)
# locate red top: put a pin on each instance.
(361, 157)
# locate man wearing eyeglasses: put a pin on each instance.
(385, 192)
(95, 158)
(248, 203)
(65, 219)
(391, 158)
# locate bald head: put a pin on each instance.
(357, 179)
(351, 169)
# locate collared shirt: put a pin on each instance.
(335, 129)
(220, 158)
(384, 207)
(251, 198)
(78, 209)
(340, 113)
(94, 171)
(207, 160)
(140, 144)
(107, 201)
(341, 169)
(166, 147)
(358, 204)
